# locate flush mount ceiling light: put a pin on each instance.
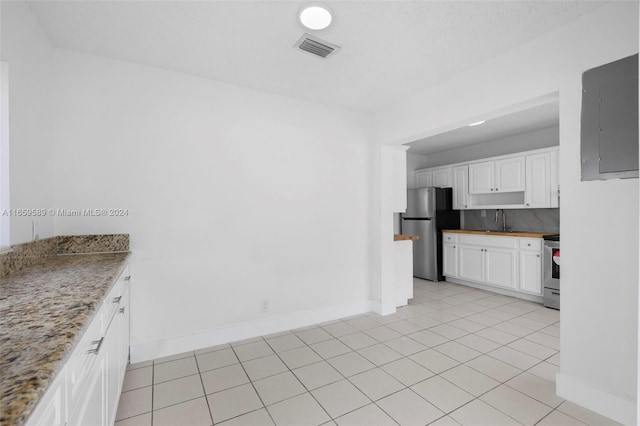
(477, 123)
(315, 17)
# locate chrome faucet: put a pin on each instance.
(505, 228)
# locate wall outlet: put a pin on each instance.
(265, 305)
(483, 213)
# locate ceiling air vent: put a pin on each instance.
(316, 46)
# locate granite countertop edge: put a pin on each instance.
(24, 384)
(405, 237)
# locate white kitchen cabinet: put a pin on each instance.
(125, 333)
(91, 408)
(506, 175)
(87, 388)
(509, 263)
(526, 180)
(449, 260)
(530, 265)
(542, 180)
(460, 176)
(488, 265)
(510, 175)
(439, 177)
(538, 193)
(531, 272)
(500, 267)
(113, 351)
(424, 178)
(442, 177)
(482, 177)
(51, 409)
(471, 263)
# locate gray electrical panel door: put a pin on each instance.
(609, 126)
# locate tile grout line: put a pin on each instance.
(153, 387)
(252, 386)
(204, 391)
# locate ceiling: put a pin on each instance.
(526, 120)
(389, 49)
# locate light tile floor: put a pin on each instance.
(454, 355)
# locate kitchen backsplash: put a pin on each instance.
(533, 220)
(24, 255)
(75, 244)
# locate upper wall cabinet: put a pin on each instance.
(542, 182)
(497, 176)
(439, 177)
(525, 180)
(424, 178)
(442, 177)
(460, 187)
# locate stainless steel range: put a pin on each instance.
(551, 265)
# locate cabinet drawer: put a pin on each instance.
(83, 357)
(488, 241)
(114, 297)
(449, 238)
(530, 244)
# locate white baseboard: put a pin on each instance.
(499, 290)
(386, 308)
(585, 395)
(175, 345)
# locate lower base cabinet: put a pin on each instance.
(501, 265)
(512, 263)
(450, 260)
(90, 410)
(87, 389)
(531, 271)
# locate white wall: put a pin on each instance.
(529, 141)
(234, 195)
(599, 220)
(27, 50)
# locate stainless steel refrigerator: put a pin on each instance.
(428, 213)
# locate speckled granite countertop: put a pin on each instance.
(44, 310)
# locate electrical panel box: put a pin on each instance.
(609, 122)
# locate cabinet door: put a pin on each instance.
(81, 361)
(90, 409)
(450, 260)
(124, 331)
(50, 411)
(442, 178)
(113, 355)
(424, 179)
(481, 178)
(460, 187)
(510, 176)
(501, 267)
(531, 272)
(471, 263)
(538, 192)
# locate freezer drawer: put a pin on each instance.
(551, 298)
